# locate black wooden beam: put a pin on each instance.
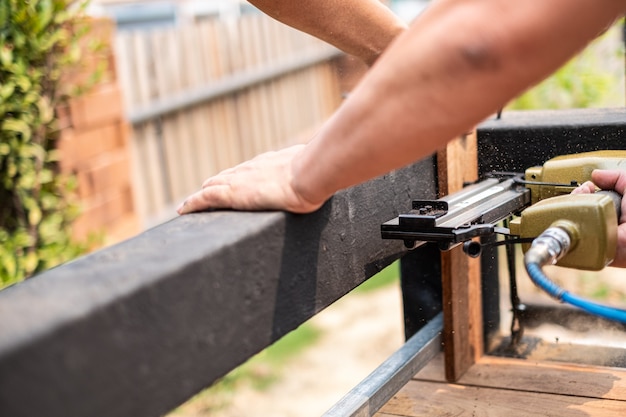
(136, 329)
(522, 139)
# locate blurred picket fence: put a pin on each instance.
(206, 96)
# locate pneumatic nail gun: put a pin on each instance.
(553, 225)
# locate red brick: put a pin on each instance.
(92, 142)
(67, 154)
(125, 130)
(100, 106)
(102, 211)
(64, 119)
(108, 171)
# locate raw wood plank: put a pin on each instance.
(457, 164)
(194, 65)
(261, 93)
(145, 147)
(291, 106)
(233, 45)
(463, 341)
(331, 93)
(178, 148)
(222, 130)
(270, 54)
(419, 398)
(276, 41)
(248, 114)
(126, 73)
(460, 349)
(546, 377)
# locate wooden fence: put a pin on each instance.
(207, 96)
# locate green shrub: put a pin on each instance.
(38, 41)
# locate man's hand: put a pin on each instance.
(611, 180)
(262, 183)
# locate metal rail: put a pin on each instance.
(374, 391)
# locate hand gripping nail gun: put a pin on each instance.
(554, 226)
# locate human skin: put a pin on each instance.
(610, 180)
(363, 28)
(459, 62)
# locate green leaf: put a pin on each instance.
(27, 180)
(6, 55)
(23, 82)
(45, 176)
(33, 151)
(45, 14)
(46, 112)
(17, 126)
(48, 202)
(19, 40)
(7, 90)
(10, 266)
(11, 169)
(4, 11)
(53, 156)
(34, 216)
(30, 263)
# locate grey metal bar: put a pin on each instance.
(229, 85)
(374, 391)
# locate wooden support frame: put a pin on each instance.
(457, 164)
(513, 143)
(503, 385)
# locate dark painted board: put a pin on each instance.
(522, 139)
(136, 329)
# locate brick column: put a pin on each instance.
(94, 147)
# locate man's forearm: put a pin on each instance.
(459, 62)
(363, 28)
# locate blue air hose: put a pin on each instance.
(551, 246)
(542, 281)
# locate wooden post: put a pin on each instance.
(460, 274)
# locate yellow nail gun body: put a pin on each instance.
(591, 219)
